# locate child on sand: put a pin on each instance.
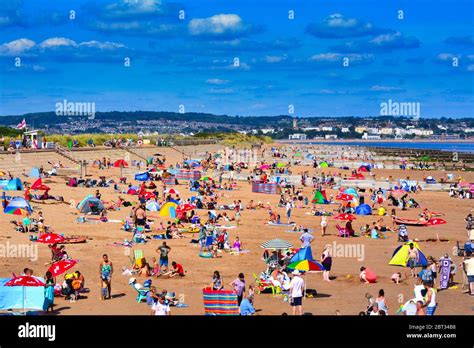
(363, 275)
(396, 278)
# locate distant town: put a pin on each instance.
(277, 127)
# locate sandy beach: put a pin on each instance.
(345, 293)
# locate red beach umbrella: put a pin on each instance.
(24, 281)
(50, 238)
(62, 266)
(345, 217)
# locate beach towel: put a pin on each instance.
(280, 224)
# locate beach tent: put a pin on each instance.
(309, 156)
(142, 176)
(400, 256)
(152, 206)
(11, 185)
(363, 168)
(21, 297)
(363, 209)
(168, 210)
(302, 254)
(133, 190)
(351, 191)
(430, 180)
(35, 173)
(18, 206)
(320, 198)
(357, 176)
(323, 165)
(85, 205)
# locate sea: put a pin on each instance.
(442, 146)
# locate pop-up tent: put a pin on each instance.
(320, 198)
(142, 176)
(323, 165)
(90, 204)
(363, 209)
(400, 256)
(133, 190)
(168, 210)
(364, 168)
(302, 254)
(14, 184)
(351, 191)
(35, 173)
(152, 206)
(18, 206)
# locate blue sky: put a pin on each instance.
(299, 62)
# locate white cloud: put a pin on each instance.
(275, 59)
(378, 88)
(217, 81)
(218, 25)
(107, 45)
(16, 47)
(57, 42)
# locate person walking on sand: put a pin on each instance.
(324, 224)
(289, 205)
(296, 293)
(106, 269)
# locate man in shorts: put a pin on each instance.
(164, 251)
(296, 293)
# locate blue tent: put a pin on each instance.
(351, 191)
(302, 254)
(363, 209)
(35, 173)
(21, 297)
(11, 185)
(142, 176)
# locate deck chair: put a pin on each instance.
(135, 261)
(342, 232)
(262, 285)
(141, 294)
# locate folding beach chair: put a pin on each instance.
(141, 294)
(342, 231)
(262, 285)
(135, 261)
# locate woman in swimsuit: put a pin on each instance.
(106, 269)
(217, 281)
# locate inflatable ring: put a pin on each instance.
(205, 254)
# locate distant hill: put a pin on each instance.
(40, 119)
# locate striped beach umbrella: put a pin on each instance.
(306, 266)
(277, 244)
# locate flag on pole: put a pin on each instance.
(21, 125)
